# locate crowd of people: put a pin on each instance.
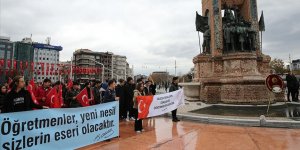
(17, 97)
(292, 87)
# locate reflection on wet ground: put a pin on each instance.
(162, 133)
(291, 111)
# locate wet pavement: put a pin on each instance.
(161, 133)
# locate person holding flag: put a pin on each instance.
(19, 99)
(71, 96)
(90, 93)
(139, 91)
(42, 92)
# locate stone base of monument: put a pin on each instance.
(237, 78)
(191, 91)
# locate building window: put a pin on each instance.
(43, 58)
(2, 46)
(47, 58)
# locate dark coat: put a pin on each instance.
(173, 87)
(2, 101)
(97, 94)
(70, 94)
(128, 91)
(109, 96)
(19, 101)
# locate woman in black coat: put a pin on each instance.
(3, 93)
(19, 99)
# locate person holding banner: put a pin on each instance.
(19, 99)
(174, 87)
(110, 93)
(139, 91)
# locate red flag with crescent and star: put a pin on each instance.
(144, 103)
(60, 96)
(82, 98)
(52, 99)
(31, 89)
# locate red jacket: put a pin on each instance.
(41, 92)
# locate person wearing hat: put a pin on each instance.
(174, 87)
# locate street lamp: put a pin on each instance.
(102, 69)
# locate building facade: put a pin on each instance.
(23, 55)
(85, 58)
(6, 53)
(119, 64)
(115, 66)
(46, 62)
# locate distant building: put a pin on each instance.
(119, 64)
(46, 60)
(65, 69)
(296, 64)
(85, 58)
(115, 66)
(6, 53)
(23, 55)
(121, 67)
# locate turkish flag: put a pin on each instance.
(8, 63)
(31, 89)
(32, 66)
(26, 64)
(82, 98)
(144, 103)
(21, 65)
(52, 99)
(60, 96)
(70, 84)
(1, 62)
(15, 64)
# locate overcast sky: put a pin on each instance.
(151, 33)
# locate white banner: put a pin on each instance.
(150, 106)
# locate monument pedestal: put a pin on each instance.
(237, 78)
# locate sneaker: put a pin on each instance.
(138, 131)
(132, 118)
(127, 119)
(143, 130)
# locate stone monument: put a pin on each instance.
(232, 68)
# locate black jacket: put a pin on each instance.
(97, 95)
(173, 87)
(128, 91)
(2, 101)
(21, 101)
(73, 102)
(109, 96)
(120, 92)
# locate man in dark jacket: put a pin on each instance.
(97, 94)
(120, 89)
(71, 96)
(110, 93)
(128, 92)
(174, 87)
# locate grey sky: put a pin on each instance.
(151, 33)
